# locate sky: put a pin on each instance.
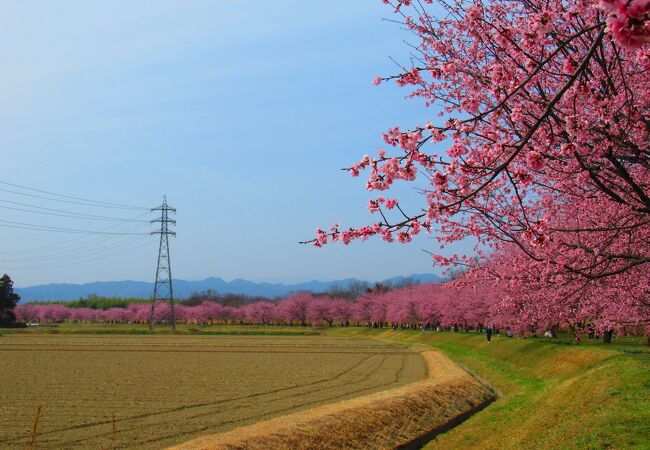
(241, 113)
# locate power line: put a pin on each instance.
(75, 256)
(82, 261)
(65, 201)
(79, 251)
(89, 243)
(33, 227)
(76, 173)
(98, 202)
(71, 214)
(87, 239)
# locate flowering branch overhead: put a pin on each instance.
(544, 111)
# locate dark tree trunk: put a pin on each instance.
(607, 337)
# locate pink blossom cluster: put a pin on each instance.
(531, 296)
(628, 21)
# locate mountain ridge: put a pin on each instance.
(184, 288)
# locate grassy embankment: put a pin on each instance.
(551, 395)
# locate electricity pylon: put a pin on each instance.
(163, 288)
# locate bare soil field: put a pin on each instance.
(162, 390)
(403, 417)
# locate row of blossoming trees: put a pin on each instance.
(298, 309)
(461, 305)
(537, 149)
(427, 305)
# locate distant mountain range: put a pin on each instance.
(183, 288)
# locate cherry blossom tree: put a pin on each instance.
(26, 313)
(319, 311)
(116, 315)
(342, 311)
(529, 296)
(211, 311)
(162, 312)
(262, 313)
(228, 313)
(543, 113)
(536, 147)
(294, 308)
(362, 310)
(139, 312)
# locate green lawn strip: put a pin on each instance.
(551, 396)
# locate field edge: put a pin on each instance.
(404, 417)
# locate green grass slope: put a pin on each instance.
(587, 396)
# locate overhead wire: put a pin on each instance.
(105, 242)
(77, 261)
(64, 201)
(79, 239)
(96, 202)
(34, 227)
(71, 214)
(79, 253)
(79, 250)
(76, 173)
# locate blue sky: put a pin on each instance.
(242, 113)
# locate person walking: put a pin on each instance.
(488, 333)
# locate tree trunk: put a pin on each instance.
(607, 337)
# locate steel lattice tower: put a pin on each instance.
(163, 290)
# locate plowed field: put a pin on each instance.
(163, 390)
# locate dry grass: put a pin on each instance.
(168, 389)
(386, 419)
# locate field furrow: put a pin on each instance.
(166, 389)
